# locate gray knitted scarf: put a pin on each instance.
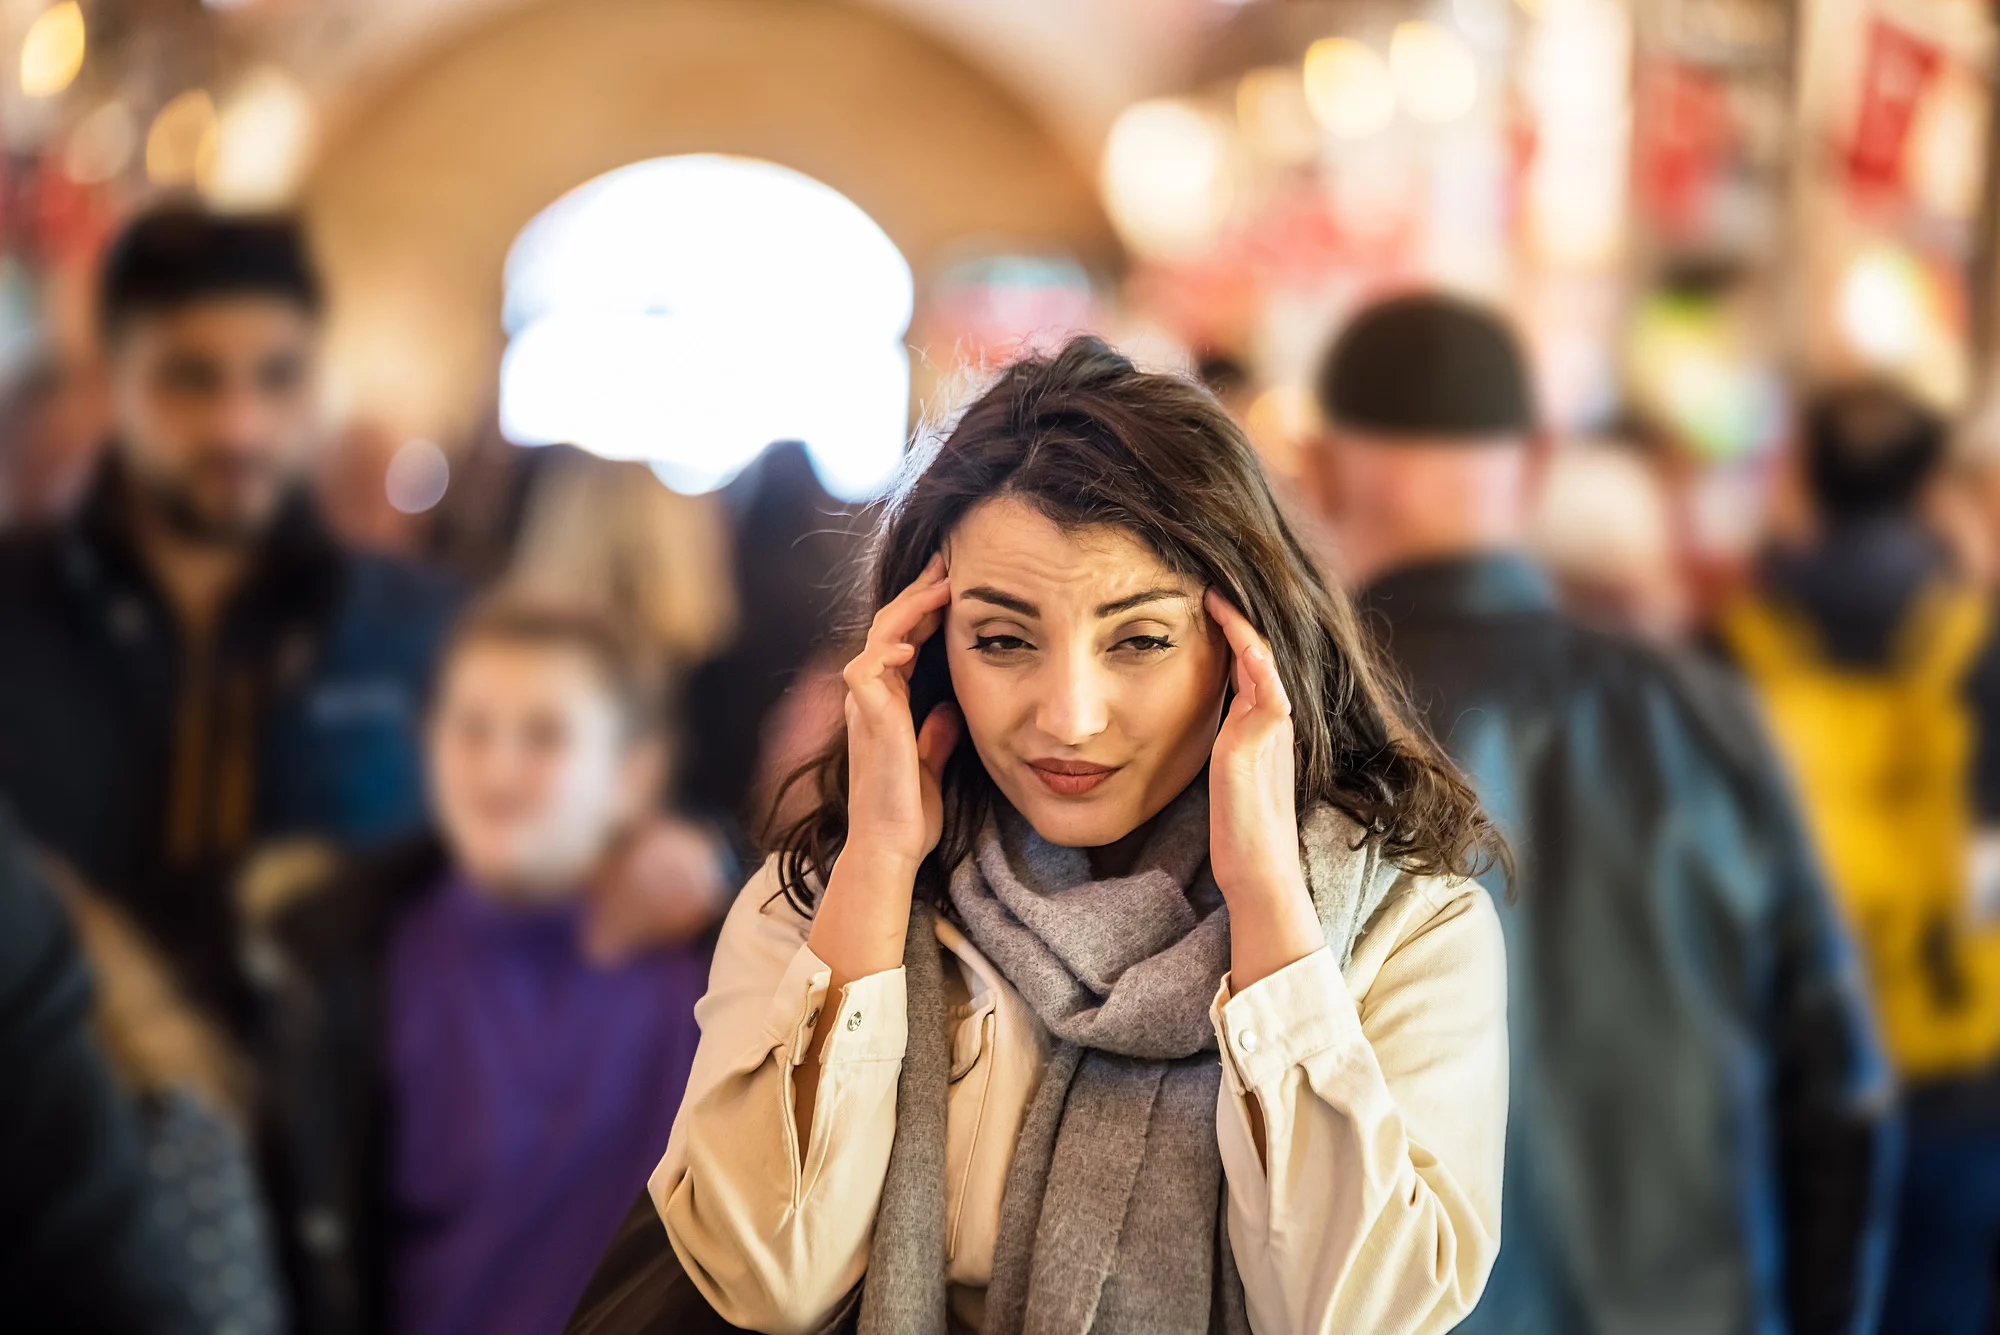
(1111, 1221)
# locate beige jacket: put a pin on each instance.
(1384, 1095)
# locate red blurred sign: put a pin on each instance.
(1297, 239)
(46, 218)
(1685, 142)
(1898, 69)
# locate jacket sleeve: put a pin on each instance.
(80, 1250)
(772, 1239)
(1838, 1140)
(1376, 1205)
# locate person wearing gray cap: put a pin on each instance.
(1702, 1139)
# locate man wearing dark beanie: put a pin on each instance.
(1698, 1139)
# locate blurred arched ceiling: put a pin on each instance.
(445, 132)
(1075, 62)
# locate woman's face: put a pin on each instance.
(1090, 678)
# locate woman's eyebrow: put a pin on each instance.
(986, 593)
(1139, 599)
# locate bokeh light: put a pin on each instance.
(1348, 87)
(263, 140)
(1576, 74)
(181, 146)
(52, 51)
(1166, 176)
(1882, 304)
(417, 476)
(1435, 76)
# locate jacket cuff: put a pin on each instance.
(1283, 1020)
(873, 1023)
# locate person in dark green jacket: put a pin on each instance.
(1702, 1135)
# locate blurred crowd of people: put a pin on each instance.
(358, 871)
(392, 852)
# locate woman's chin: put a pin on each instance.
(1077, 822)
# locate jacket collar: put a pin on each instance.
(1491, 583)
(297, 566)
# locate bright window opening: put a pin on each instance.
(689, 311)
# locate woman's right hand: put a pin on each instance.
(895, 808)
(895, 811)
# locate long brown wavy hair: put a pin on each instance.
(1088, 439)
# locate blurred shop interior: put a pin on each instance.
(568, 222)
(644, 301)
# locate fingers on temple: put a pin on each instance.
(1253, 668)
(913, 614)
(1263, 667)
(1234, 624)
(932, 619)
(903, 623)
(1242, 679)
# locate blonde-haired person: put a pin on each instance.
(464, 1081)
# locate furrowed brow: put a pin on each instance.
(1140, 599)
(986, 593)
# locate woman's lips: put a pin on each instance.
(1071, 778)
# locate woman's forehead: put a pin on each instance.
(1007, 545)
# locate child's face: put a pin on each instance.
(532, 769)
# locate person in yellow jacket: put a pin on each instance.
(1876, 662)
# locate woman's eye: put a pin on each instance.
(1146, 644)
(997, 644)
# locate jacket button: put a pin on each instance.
(854, 1022)
(128, 620)
(321, 1231)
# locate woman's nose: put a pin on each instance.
(1075, 706)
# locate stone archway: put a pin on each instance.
(414, 204)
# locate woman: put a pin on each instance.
(1103, 989)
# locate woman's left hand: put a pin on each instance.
(1253, 840)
